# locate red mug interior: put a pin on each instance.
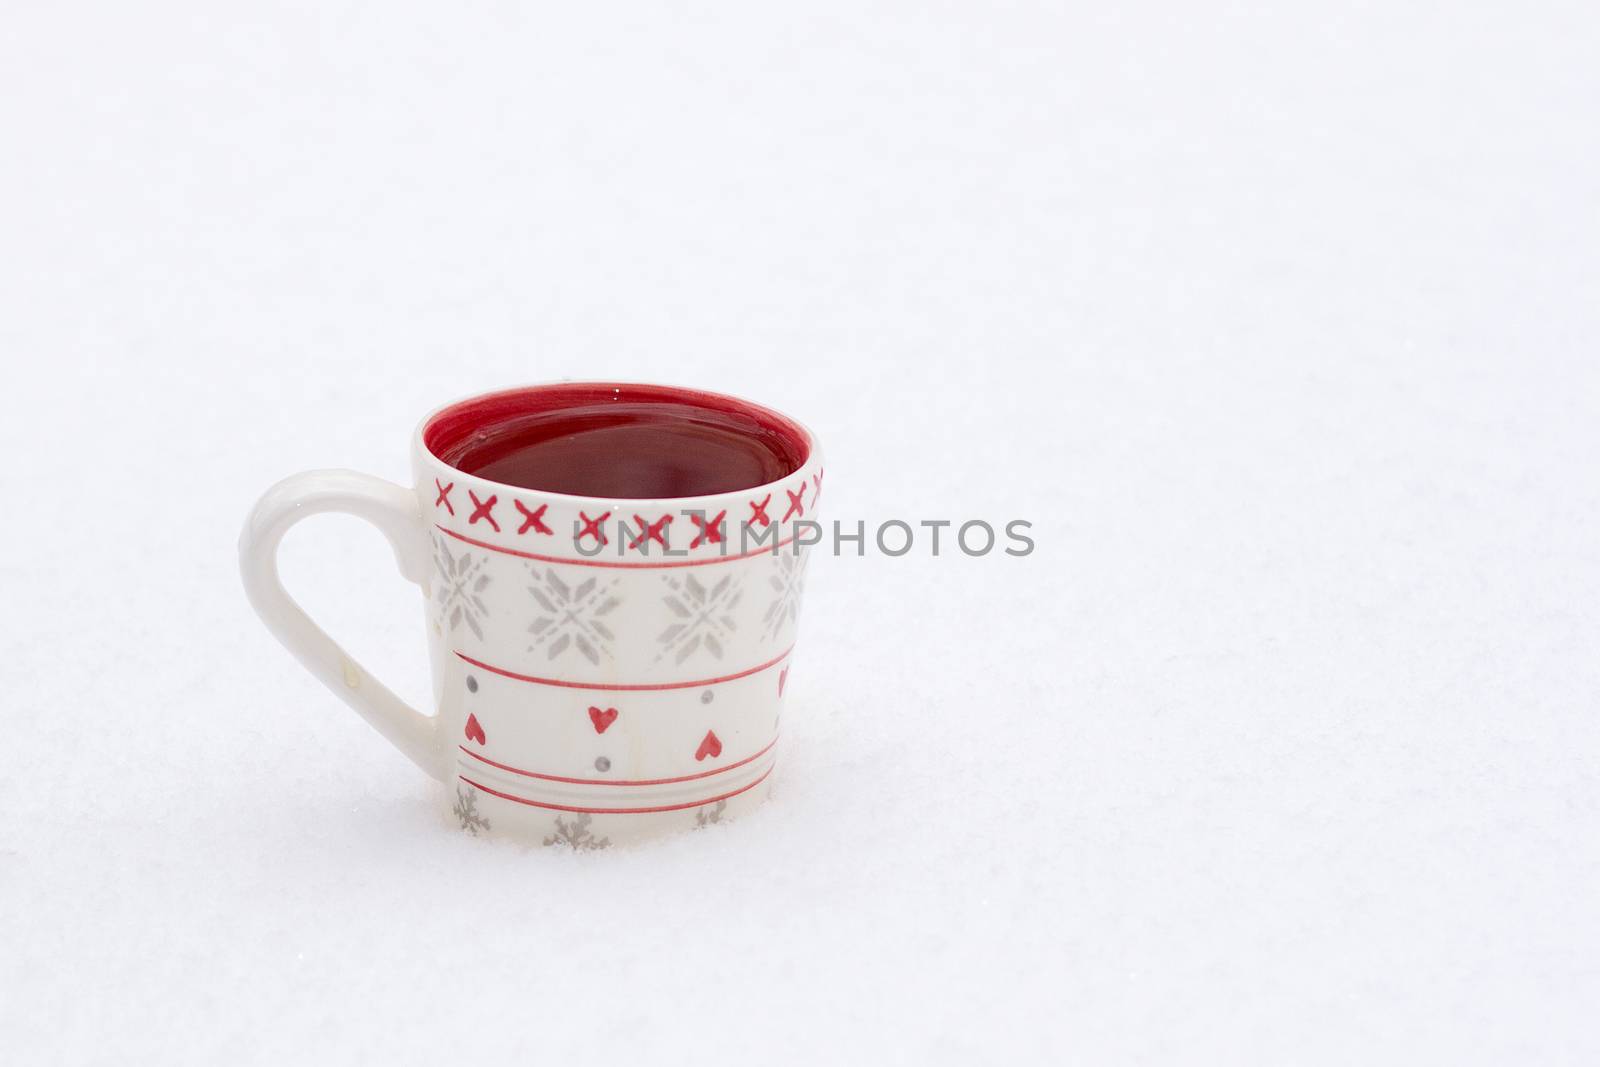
(614, 440)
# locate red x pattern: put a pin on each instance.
(797, 503)
(710, 531)
(483, 509)
(651, 531)
(532, 520)
(592, 527)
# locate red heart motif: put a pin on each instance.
(602, 719)
(475, 730)
(783, 676)
(709, 747)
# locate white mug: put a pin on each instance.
(606, 669)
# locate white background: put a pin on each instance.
(1280, 325)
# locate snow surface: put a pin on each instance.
(1279, 325)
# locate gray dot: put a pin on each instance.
(602, 764)
(472, 684)
(707, 697)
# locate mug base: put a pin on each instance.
(484, 814)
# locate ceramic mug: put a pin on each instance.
(605, 669)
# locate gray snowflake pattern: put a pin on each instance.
(705, 616)
(574, 833)
(466, 810)
(573, 615)
(787, 580)
(710, 816)
(461, 582)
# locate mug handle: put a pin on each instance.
(394, 511)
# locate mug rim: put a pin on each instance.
(689, 395)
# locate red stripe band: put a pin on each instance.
(616, 688)
(616, 811)
(613, 781)
(581, 562)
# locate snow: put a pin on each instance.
(1279, 326)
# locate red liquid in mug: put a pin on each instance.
(625, 441)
